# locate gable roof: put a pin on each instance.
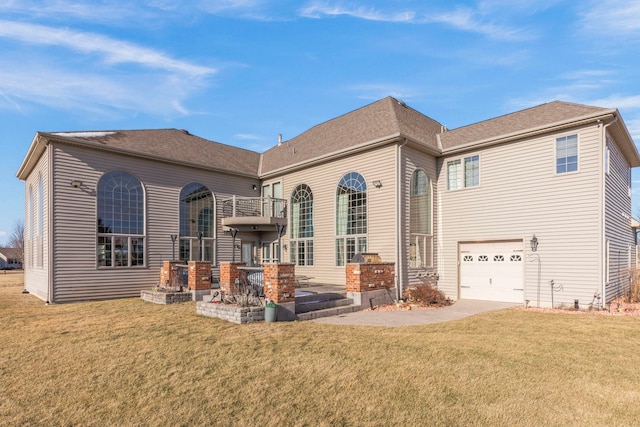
(14, 253)
(174, 145)
(541, 116)
(382, 120)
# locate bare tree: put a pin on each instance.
(16, 239)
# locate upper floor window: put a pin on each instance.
(351, 217)
(197, 234)
(301, 226)
(567, 154)
(457, 177)
(421, 214)
(120, 222)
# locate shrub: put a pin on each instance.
(425, 294)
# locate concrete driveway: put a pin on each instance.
(459, 310)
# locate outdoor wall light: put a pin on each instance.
(377, 183)
(76, 183)
(254, 187)
(534, 243)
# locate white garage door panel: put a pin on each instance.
(492, 271)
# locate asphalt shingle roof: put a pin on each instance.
(171, 144)
(541, 115)
(385, 118)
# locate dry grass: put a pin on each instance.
(129, 363)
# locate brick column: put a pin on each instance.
(280, 287)
(199, 275)
(168, 273)
(365, 277)
(280, 282)
(228, 275)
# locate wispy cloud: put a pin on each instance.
(463, 19)
(618, 101)
(112, 50)
(91, 72)
(247, 137)
(90, 92)
(634, 129)
(612, 18)
(318, 10)
(95, 11)
(466, 19)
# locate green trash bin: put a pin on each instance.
(270, 312)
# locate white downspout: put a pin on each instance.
(399, 230)
(603, 211)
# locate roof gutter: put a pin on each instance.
(530, 132)
(84, 144)
(38, 145)
(385, 140)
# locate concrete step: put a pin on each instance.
(305, 307)
(320, 301)
(328, 312)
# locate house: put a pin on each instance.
(530, 207)
(10, 259)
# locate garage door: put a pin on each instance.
(492, 271)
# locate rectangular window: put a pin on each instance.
(470, 177)
(346, 248)
(301, 252)
(340, 252)
(120, 251)
(420, 251)
(453, 174)
(472, 171)
(567, 154)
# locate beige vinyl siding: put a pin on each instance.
(413, 159)
(618, 229)
(75, 272)
(36, 270)
(519, 195)
(376, 164)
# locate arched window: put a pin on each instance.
(351, 217)
(40, 233)
(302, 226)
(421, 214)
(120, 222)
(197, 232)
(31, 225)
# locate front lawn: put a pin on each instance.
(127, 362)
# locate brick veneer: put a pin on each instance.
(199, 275)
(363, 277)
(280, 282)
(168, 273)
(228, 275)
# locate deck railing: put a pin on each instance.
(254, 206)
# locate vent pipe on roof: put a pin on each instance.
(443, 128)
(279, 139)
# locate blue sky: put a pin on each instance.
(241, 72)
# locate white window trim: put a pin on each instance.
(461, 178)
(555, 154)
